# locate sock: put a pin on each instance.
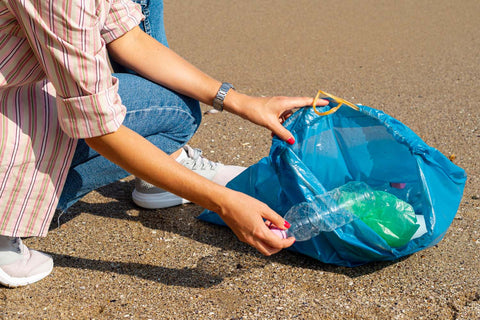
(5, 243)
(9, 252)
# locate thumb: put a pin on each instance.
(282, 133)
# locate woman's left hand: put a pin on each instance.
(268, 112)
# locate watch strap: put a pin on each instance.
(221, 94)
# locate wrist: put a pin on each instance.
(234, 101)
(205, 193)
(222, 199)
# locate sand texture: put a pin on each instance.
(419, 61)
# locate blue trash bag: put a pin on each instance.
(348, 145)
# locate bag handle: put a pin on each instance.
(340, 102)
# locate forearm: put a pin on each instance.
(146, 56)
(242, 213)
(141, 158)
(140, 52)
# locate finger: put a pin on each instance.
(275, 219)
(270, 243)
(289, 104)
(288, 115)
(299, 102)
(264, 245)
(321, 102)
(285, 116)
(273, 243)
(281, 132)
(265, 249)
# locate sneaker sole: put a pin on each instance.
(156, 200)
(11, 282)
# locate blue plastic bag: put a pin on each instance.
(365, 145)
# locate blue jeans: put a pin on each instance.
(165, 118)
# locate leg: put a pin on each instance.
(163, 117)
(19, 265)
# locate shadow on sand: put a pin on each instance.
(181, 220)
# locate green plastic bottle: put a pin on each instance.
(391, 218)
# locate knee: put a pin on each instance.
(153, 109)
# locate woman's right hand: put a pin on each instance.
(245, 216)
(242, 213)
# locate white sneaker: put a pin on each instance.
(19, 265)
(148, 196)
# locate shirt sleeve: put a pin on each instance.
(122, 17)
(69, 40)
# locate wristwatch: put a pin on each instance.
(222, 92)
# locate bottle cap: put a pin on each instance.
(398, 185)
(279, 232)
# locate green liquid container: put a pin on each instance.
(391, 218)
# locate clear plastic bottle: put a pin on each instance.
(391, 218)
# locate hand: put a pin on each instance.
(245, 216)
(269, 112)
(241, 212)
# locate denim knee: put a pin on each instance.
(155, 110)
(163, 117)
(171, 126)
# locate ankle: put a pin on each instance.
(7, 243)
(10, 250)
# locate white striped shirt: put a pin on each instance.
(55, 87)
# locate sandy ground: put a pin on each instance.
(416, 60)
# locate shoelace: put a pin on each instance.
(199, 161)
